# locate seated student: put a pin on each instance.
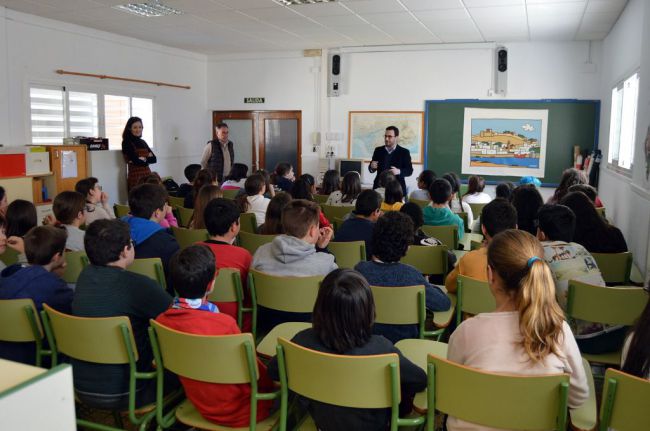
(192, 271)
(39, 281)
(590, 191)
(383, 179)
(97, 207)
(147, 206)
(391, 237)
(359, 227)
(4, 202)
(570, 177)
(189, 172)
(437, 213)
(106, 289)
(456, 202)
(169, 220)
(496, 217)
(393, 196)
(526, 334)
(303, 189)
(424, 180)
(593, 232)
(504, 190)
(349, 192)
(222, 221)
(21, 217)
(253, 201)
(296, 253)
(527, 201)
(331, 182)
(202, 178)
(343, 325)
(272, 220)
(636, 350)
(570, 261)
(206, 194)
(236, 178)
(475, 193)
(68, 209)
(283, 176)
(270, 190)
(530, 180)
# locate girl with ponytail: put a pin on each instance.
(526, 334)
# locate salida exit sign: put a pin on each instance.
(253, 100)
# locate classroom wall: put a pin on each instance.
(32, 48)
(627, 197)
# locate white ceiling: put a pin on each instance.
(236, 26)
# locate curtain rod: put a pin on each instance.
(118, 78)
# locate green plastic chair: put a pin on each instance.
(230, 193)
(348, 254)
(625, 402)
(236, 364)
(477, 209)
(227, 287)
(331, 212)
(267, 346)
(19, 324)
(75, 261)
(429, 260)
(282, 293)
(465, 218)
(336, 224)
(248, 222)
(527, 402)
(105, 340)
(187, 237)
(475, 245)
(615, 267)
(420, 202)
(9, 257)
(253, 241)
(150, 267)
(610, 305)
(601, 212)
(448, 234)
(183, 215)
(348, 381)
(321, 199)
(176, 201)
(473, 297)
(121, 210)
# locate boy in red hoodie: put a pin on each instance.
(192, 272)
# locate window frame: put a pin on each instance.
(614, 164)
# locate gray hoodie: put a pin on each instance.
(290, 256)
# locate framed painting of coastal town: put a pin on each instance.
(502, 142)
(366, 131)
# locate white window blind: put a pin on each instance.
(47, 110)
(117, 111)
(622, 131)
(143, 108)
(83, 117)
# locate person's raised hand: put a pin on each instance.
(17, 243)
(325, 236)
(104, 197)
(374, 164)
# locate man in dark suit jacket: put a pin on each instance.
(391, 156)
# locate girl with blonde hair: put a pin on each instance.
(526, 334)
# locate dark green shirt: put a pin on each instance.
(104, 291)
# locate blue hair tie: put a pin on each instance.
(532, 260)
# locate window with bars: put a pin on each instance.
(57, 113)
(622, 126)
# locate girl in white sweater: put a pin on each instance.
(526, 334)
(97, 207)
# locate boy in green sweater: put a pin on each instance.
(438, 213)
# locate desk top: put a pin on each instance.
(14, 373)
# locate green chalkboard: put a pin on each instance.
(570, 122)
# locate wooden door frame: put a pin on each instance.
(258, 117)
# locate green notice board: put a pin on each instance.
(570, 122)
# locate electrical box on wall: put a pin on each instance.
(334, 74)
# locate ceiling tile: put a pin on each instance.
(500, 14)
(349, 19)
(490, 3)
(272, 13)
(616, 6)
(375, 6)
(451, 26)
(461, 37)
(556, 9)
(389, 18)
(321, 9)
(592, 36)
(246, 4)
(442, 14)
(420, 5)
(196, 7)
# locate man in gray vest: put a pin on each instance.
(219, 154)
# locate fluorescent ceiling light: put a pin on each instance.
(149, 9)
(297, 2)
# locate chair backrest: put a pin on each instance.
(351, 381)
(477, 209)
(292, 294)
(9, 257)
(226, 359)
(102, 340)
(252, 241)
(187, 237)
(184, 216)
(150, 267)
(336, 224)
(230, 193)
(248, 222)
(465, 219)
(19, 321)
(121, 210)
(615, 267)
(176, 201)
(321, 199)
(399, 305)
(331, 212)
(611, 305)
(348, 254)
(427, 259)
(475, 245)
(601, 211)
(473, 297)
(497, 400)
(420, 202)
(75, 261)
(227, 287)
(448, 234)
(625, 402)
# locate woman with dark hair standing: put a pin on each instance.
(343, 318)
(136, 152)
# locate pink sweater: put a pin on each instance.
(490, 341)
